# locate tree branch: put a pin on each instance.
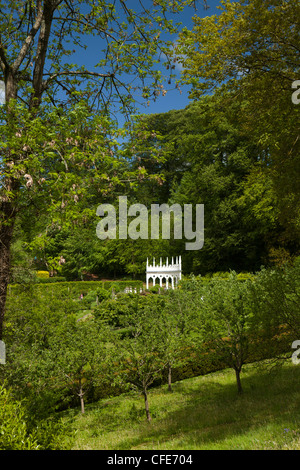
(3, 61)
(75, 72)
(29, 38)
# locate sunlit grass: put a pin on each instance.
(201, 413)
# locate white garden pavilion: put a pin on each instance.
(168, 273)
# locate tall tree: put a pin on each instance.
(252, 48)
(210, 160)
(44, 121)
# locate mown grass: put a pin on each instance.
(201, 413)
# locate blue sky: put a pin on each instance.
(173, 98)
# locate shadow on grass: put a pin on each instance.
(213, 413)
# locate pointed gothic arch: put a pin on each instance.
(171, 272)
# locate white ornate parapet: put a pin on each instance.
(170, 272)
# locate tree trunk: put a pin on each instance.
(170, 378)
(81, 394)
(238, 380)
(7, 219)
(147, 405)
(7, 204)
(11, 185)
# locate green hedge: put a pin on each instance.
(191, 282)
(42, 274)
(74, 288)
(119, 286)
(51, 280)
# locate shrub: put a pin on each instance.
(119, 286)
(155, 289)
(102, 294)
(17, 432)
(113, 312)
(13, 429)
(89, 298)
(51, 279)
(276, 297)
(42, 274)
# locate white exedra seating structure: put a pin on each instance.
(168, 273)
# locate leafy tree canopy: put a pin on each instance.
(252, 48)
(57, 132)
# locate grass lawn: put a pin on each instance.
(201, 413)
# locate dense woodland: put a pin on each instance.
(208, 158)
(234, 148)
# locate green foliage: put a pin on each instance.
(235, 151)
(155, 289)
(95, 297)
(202, 413)
(122, 310)
(80, 355)
(142, 360)
(140, 341)
(51, 280)
(42, 274)
(22, 429)
(53, 433)
(119, 286)
(22, 271)
(276, 297)
(59, 139)
(14, 433)
(226, 321)
(116, 312)
(245, 49)
(73, 290)
(211, 160)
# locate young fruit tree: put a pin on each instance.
(227, 323)
(142, 358)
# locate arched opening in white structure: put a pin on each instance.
(151, 282)
(165, 275)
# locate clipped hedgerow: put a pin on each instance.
(51, 280)
(42, 274)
